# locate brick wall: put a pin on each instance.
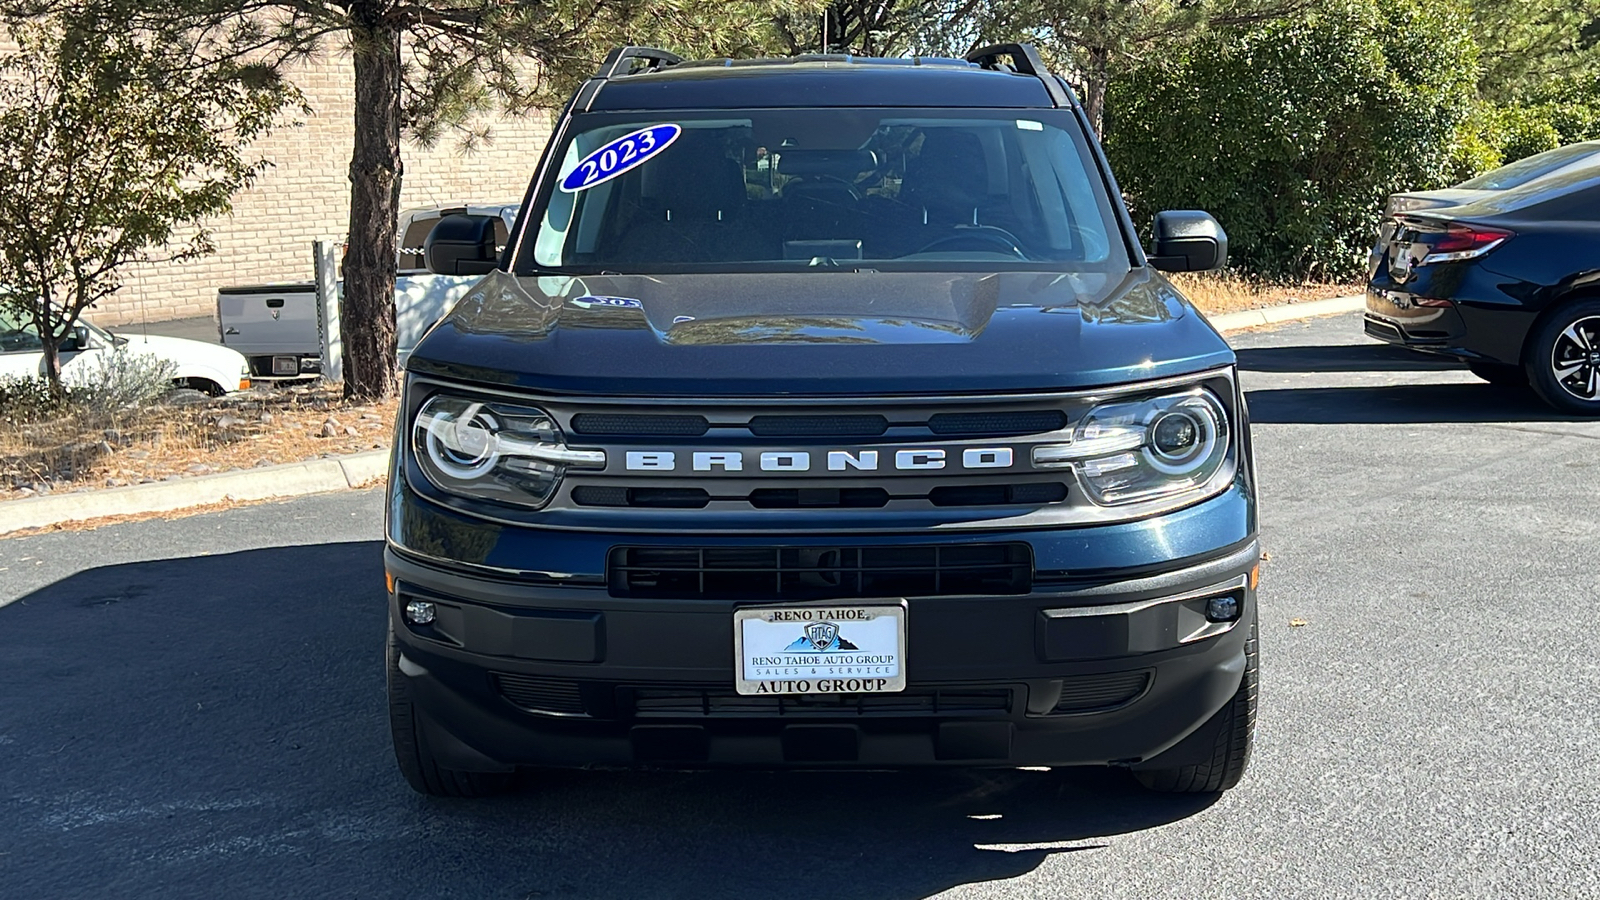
(306, 196)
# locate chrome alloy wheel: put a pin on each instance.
(1575, 359)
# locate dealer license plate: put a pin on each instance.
(823, 649)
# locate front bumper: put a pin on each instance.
(1101, 669)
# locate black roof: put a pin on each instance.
(817, 81)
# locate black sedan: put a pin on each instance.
(1509, 284)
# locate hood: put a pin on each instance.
(818, 333)
(186, 354)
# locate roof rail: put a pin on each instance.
(1025, 60)
(617, 61)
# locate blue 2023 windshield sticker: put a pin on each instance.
(619, 156)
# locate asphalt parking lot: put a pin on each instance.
(195, 708)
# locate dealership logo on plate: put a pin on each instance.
(820, 637)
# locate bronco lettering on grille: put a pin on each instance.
(908, 459)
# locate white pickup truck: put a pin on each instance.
(278, 327)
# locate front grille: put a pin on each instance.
(1098, 693)
(998, 424)
(819, 498)
(808, 573)
(688, 702)
(642, 425)
(541, 695)
(998, 494)
(639, 497)
(1021, 494)
(818, 426)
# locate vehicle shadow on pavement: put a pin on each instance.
(189, 727)
(1408, 398)
(1371, 357)
(1399, 404)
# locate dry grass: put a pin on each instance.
(1217, 293)
(167, 441)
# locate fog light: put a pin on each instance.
(1218, 609)
(420, 612)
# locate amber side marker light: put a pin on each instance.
(1255, 576)
(388, 580)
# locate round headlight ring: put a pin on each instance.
(463, 446)
(1175, 436)
(1192, 427)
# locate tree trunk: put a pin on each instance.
(1095, 74)
(43, 323)
(52, 364)
(366, 315)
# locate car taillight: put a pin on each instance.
(1464, 241)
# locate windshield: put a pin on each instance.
(791, 189)
(1527, 169)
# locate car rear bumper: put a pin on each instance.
(1104, 670)
(1470, 322)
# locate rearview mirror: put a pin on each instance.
(461, 245)
(1188, 240)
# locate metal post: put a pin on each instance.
(326, 256)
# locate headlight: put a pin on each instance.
(494, 451)
(1130, 451)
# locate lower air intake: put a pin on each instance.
(809, 573)
(1098, 693)
(540, 695)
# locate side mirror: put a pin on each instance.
(1188, 240)
(77, 339)
(461, 245)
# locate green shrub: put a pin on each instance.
(1475, 149)
(1525, 131)
(114, 381)
(25, 400)
(1294, 132)
(1493, 136)
(119, 379)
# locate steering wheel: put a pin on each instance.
(990, 235)
(812, 181)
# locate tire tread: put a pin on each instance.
(1230, 754)
(411, 752)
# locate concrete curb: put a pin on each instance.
(1272, 315)
(342, 473)
(290, 480)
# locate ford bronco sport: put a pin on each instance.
(822, 412)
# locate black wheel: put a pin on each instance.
(1563, 362)
(417, 764)
(1500, 374)
(1230, 753)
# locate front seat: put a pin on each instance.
(692, 199)
(948, 180)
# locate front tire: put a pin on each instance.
(417, 763)
(1230, 753)
(1563, 362)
